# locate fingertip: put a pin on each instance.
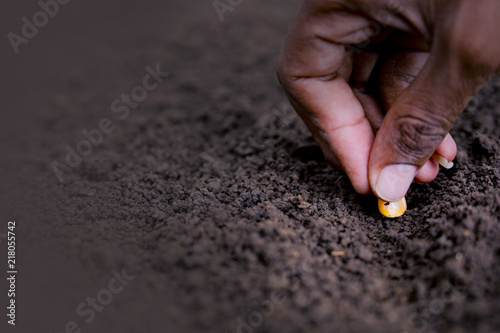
(364, 189)
(352, 146)
(357, 176)
(360, 183)
(448, 148)
(428, 172)
(356, 169)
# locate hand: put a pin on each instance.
(381, 83)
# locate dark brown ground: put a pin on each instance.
(213, 195)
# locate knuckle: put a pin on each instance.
(399, 74)
(419, 135)
(284, 78)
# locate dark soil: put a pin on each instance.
(213, 194)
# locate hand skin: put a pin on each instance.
(380, 109)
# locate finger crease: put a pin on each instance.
(357, 122)
(324, 78)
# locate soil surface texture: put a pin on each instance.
(205, 205)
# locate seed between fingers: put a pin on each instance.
(392, 209)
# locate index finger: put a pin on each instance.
(314, 70)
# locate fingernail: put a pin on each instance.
(394, 181)
(442, 161)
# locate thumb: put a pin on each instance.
(416, 124)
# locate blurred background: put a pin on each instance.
(208, 207)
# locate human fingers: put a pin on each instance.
(314, 70)
(416, 125)
(398, 72)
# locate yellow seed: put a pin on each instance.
(392, 209)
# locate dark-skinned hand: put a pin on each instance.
(380, 83)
